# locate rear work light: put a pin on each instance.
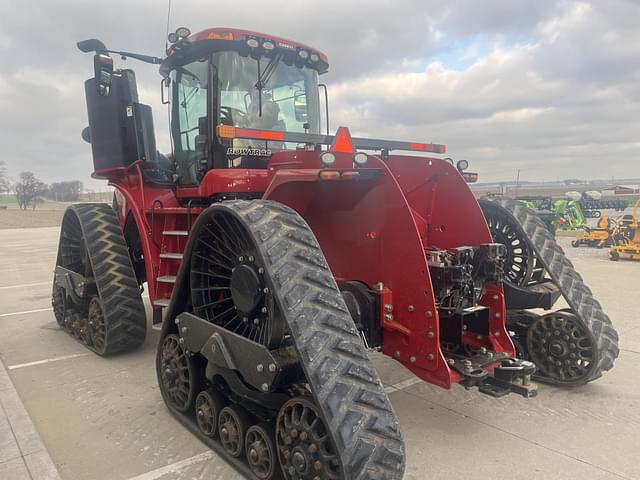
(462, 165)
(327, 159)
(360, 158)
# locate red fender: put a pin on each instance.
(374, 227)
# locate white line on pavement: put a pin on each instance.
(25, 436)
(402, 385)
(174, 467)
(25, 312)
(47, 360)
(25, 285)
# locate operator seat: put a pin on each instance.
(269, 120)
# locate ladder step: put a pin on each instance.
(176, 233)
(161, 302)
(167, 279)
(172, 256)
(156, 326)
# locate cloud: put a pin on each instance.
(550, 87)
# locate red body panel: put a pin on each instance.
(373, 224)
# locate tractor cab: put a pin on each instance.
(212, 80)
(236, 78)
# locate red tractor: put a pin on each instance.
(275, 256)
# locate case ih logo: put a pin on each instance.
(286, 45)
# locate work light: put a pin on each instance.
(360, 158)
(327, 159)
(183, 32)
(462, 165)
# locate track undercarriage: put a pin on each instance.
(269, 369)
(570, 346)
(96, 297)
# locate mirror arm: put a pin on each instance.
(326, 103)
(138, 56)
(94, 45)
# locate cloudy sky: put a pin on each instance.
(548, 87)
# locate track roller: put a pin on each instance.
(208, 407)
(570, 347)
(95, 294)
(261, 451)
(233, 424)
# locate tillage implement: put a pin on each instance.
(276, 256)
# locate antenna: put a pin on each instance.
(166, 35)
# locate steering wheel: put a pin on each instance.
(228, 114)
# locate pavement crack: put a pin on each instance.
(629, 351)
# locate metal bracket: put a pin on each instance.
(77, 286)
(260, 367)
(513, 375)
(473, 368)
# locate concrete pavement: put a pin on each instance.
(103, 419)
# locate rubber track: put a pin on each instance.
(345, 384)
(122, 306)
(561, 271)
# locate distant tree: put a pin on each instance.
(29, 190)
(68, 191)
(5, 184)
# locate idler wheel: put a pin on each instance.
(305, 449)
(179, 377)
(561, 347)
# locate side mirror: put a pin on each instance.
(300, 106)
(103, 71)
(91, 45)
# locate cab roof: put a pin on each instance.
(237, 38)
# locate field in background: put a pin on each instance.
(47, 214)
